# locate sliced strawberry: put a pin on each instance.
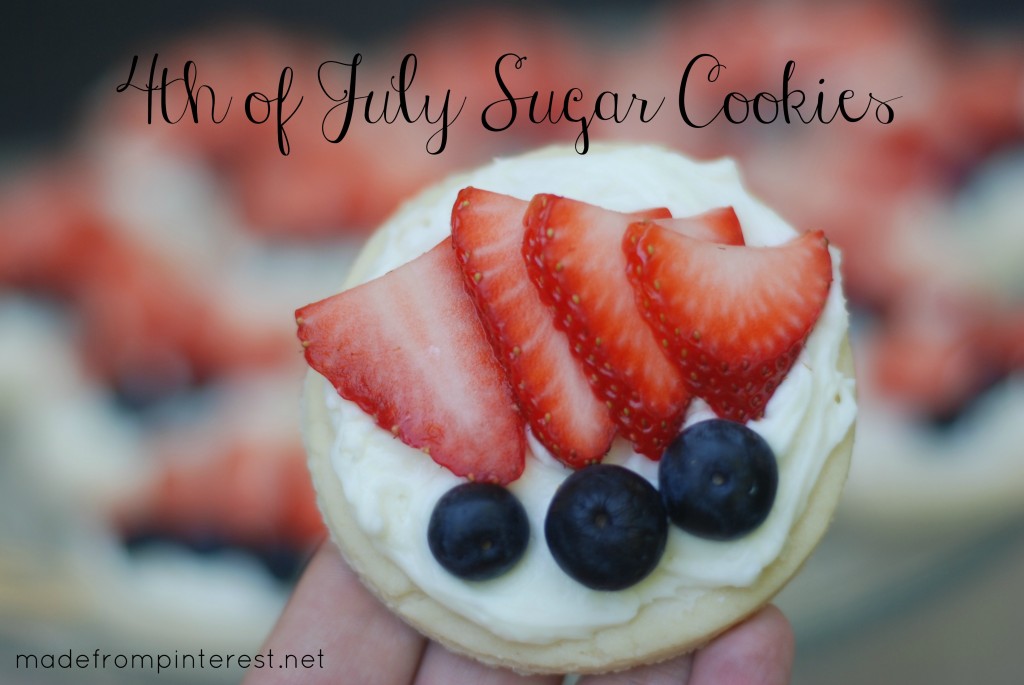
(719, 225)
(550, 384)
(409, 349)
(733, 318)
(574, 257)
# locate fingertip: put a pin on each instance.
(778, 631)
(759, 651)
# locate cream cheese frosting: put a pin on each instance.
(392, 488)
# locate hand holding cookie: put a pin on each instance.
(363, 642)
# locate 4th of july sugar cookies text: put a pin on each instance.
(398, 103)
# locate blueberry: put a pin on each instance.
(606, 527)
(718, 479)
(478, 531)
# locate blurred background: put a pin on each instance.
(153, 493)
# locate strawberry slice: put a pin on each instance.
(574, 256)
(719, 225)
(409, 349)
(733, 318)
(550, 384)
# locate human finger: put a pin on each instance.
(332, 617)
(672, 672)
(758, 651)
(442, 666)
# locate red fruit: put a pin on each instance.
(574, 256)
(719, 225)
(409, 349)
(56, 238)
(249, 491)
(733, 319)
(550, 384)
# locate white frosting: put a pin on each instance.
(392, 488)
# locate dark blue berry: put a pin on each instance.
(478, 531)
(606, 527)
(718, 479)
